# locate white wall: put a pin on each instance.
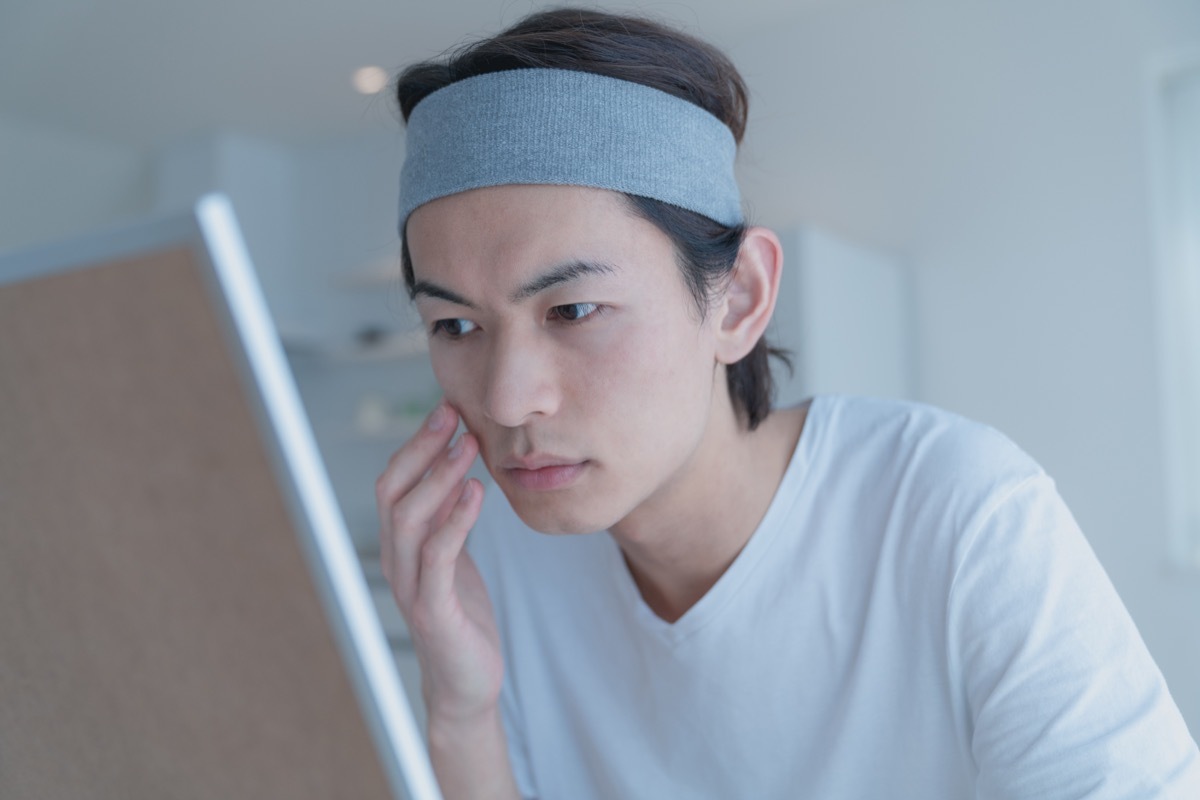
(1001, 149)
(844, 313)
(54, 183)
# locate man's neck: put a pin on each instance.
(679, 544)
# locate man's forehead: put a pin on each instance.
(519, 233)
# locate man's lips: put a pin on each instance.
(538, 461)
(544, 473)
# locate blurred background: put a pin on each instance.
(989, 206)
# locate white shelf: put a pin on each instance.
(382, 346)
(380, 418)
(398, 431)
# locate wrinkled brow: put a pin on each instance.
(563, 273)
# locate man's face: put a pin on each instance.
(562, 331)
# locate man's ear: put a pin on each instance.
(749, 299)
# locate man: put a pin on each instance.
(852, 598)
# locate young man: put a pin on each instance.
(852, 598)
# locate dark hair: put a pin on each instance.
(646, 52)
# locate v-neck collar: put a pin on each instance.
(727, 586)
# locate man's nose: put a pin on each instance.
(521, 382)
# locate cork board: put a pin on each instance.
(161, 634)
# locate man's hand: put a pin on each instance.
(426, 509)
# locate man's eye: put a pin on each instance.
(452, 328)
(574, 312)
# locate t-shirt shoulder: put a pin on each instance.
(907, 479)
(938, 450)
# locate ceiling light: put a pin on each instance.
(370, 80)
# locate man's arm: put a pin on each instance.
(470, 758)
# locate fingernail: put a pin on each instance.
(457, 449)
(437, 420)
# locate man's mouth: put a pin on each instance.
(543, 473)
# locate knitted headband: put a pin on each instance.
(554, 126)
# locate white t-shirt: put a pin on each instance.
(916, 616)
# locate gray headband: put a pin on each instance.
(553, 126)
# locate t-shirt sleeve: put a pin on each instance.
(1062, 697)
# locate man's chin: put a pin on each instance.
(556, 516)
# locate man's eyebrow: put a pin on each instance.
(430, 289)
(561, 274)
(551, 277)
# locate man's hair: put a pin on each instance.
(646, 52)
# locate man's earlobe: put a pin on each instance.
(750, 296)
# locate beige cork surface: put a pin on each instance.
(160, 632)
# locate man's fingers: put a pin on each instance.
(439, 555)
(413, 519)
(443, 511)
(410, 463)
